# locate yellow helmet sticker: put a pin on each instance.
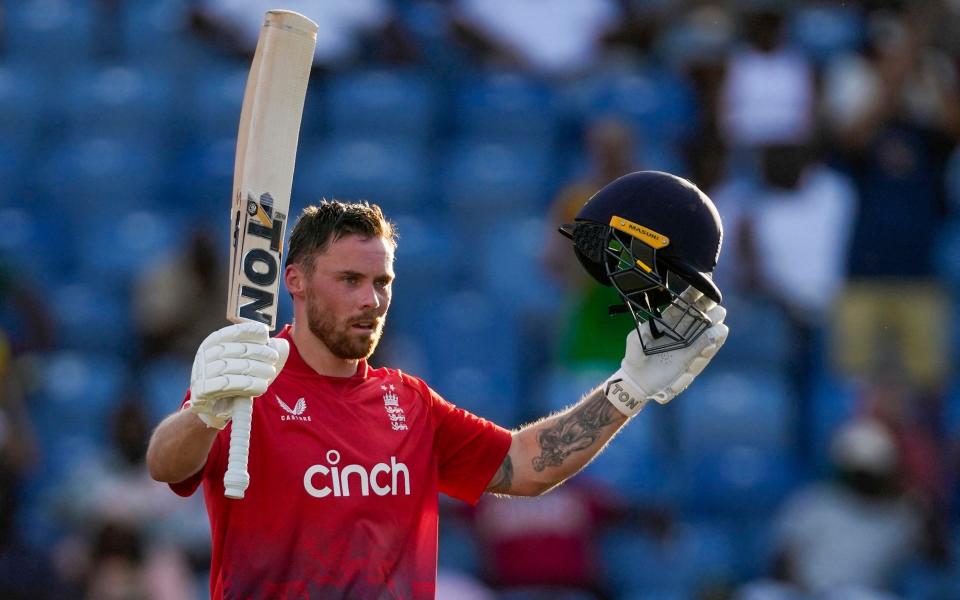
(648, 236)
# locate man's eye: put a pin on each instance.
(350, 279)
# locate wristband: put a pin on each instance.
(625, 397)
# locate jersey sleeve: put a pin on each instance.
(215, 459)
(469, 449)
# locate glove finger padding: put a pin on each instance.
(661, 377)
(253, 351)
(238, 361)
(282, 348)
(231, 385)
(241, 366)
(248, 331)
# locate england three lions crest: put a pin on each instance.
(391, 404)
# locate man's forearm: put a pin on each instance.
(546, 453)
(179, 447)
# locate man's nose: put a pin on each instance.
(370, 298)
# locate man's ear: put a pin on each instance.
(295, 279)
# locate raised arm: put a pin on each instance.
(544, 454)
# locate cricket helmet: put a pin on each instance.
(652, 236)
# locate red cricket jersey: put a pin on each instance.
(344, 478)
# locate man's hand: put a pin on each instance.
(663, 376)
(239, 360)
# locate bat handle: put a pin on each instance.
(236, 479)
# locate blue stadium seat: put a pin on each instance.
(511, 265)
(425, 265)
(202, 177)
(696, 552)
(22, 105)
(832, 405)
(748, 406)
(953, 181)
(114, 252)
(738, 479)
(73, 405)
(91, 317)
(118, 99)
(657, 103)
(52, 34)
(482, 180)
(483, 390)
(824, 31)
(15, 180)
(155, 28)
(164, 382)
(382, 103)
(563, 387)
(508, 107)
(217, 96)
(37, 242)
(638, 465)
(473, 351)
(759, 335)
(392, 174)
(948, 252)
(88, 178)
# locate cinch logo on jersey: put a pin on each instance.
(295, 413)
(383, 479)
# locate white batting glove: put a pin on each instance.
(239, 360)
(662, 376)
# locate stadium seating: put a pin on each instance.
(657, 103)
(738, 479)
(948, 254)
(54, 35)
(119, 98)
(391, 173)
(22, 106)
(382, 103)
(89, 178)
(506, 107)
(482, 180)
(114, 252)
(759, 334)
(91, 317)
(672, 565)
(163, 382)
(73, 406)
(511, 265)
(213, 108)
(473, 354)
(824, 31)
(746, 406)
(37, 243)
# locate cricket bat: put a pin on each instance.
(262, 179)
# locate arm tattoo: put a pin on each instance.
(503, 478)
(577, 430)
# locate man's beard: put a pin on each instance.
(340, 338)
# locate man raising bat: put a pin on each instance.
(347, 460)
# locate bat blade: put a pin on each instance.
(263, 171)
(262, 180)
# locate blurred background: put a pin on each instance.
(816, 458)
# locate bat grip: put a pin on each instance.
(236, 479)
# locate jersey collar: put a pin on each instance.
(296, 363)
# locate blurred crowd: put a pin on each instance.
(817, 457)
